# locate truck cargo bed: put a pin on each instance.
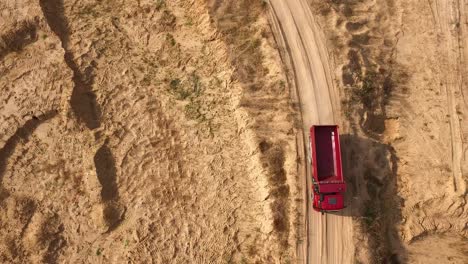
(328, 187)
(325, 148)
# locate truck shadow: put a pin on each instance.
(370, 170)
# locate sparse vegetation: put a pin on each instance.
(167, 21)
(193, 111)
(245, 42)
(190, 91)
(160, 4)
(178, 90)
(174, 84)
(89, 10)
(189, 21)
(170, 38)
(370, 215)
(368, 89)
(279, 190)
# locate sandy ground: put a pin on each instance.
(128, 135)
(434, 129)
(401, 68)
(163, 131)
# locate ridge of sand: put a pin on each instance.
(401, 69)
(126, 136)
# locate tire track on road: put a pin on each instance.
(449, 25)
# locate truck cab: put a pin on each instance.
(328, 185)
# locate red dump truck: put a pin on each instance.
(328, 185)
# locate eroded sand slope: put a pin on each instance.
(128, 133)
(401, 66)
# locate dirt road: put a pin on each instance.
(329, 237)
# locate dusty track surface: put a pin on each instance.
(329, 237)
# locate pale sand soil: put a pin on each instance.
(402, 68)
(448, 248)
(128, 135)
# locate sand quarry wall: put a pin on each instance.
(401, 68)
(133, 132)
